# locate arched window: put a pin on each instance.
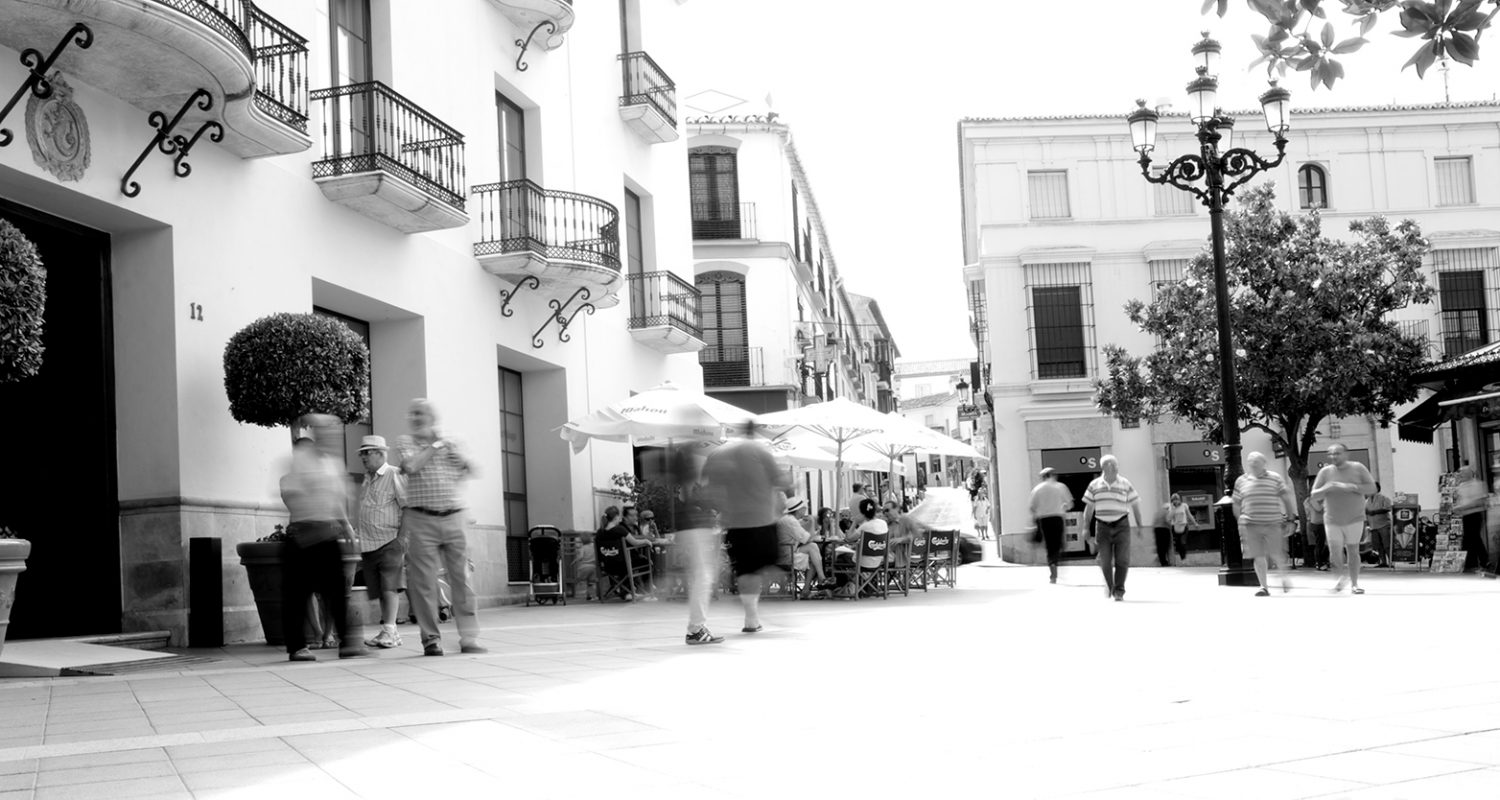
(714, 180)
(1312, 186)
(725, 359)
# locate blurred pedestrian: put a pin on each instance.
(1266, 510)
(1470, 506)
(695, 531)
(1317, 556)
(902, 533)
(382, 549)
(1378, 520)
(741, 480)
(982, 511)
(316, 500)
(1178, 519)
(1050, 503)
(433, 525)
(1109, 503)
(1342, 486)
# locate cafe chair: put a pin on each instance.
(544, 544)
(622, 571)
(942, 558)
(868, 571)
(916, 577)
(897, 577)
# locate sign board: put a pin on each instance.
(1317, 461)
(969, 411)
(1195, 454)
(1072, 460)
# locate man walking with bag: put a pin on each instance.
(1050, 502)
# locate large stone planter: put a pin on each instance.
(263, 563)
(13, 554)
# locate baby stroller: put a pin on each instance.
(546, 565)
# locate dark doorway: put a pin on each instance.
(61, 486)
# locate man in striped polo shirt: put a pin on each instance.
(1111, 501)
(1266, 509)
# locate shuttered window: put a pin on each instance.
(1049, 194)
(713, 179)
(1455, 181)
(1169, 200)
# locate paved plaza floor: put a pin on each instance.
(1004, 687)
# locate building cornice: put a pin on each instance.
(1295, 112)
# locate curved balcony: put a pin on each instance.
(154, 54)
(387, 158)
(528, 14)
(563, 239)
(664, 312)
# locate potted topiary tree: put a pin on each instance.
(23, 299)
(276, 369)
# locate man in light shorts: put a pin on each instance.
(1265, 508)
(1343, 486)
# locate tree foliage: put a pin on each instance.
(23, 299)
(282, 366)
(1309, 316)
(1304, 38)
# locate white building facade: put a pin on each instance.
(780, 328)
(1061, 230)
(505, 225)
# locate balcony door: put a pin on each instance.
(725, 359)
(513, 474)
(349, 45)
(516, 201)
(635, 256)
(714, 179)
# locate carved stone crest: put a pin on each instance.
(58, 132)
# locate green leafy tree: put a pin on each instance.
(282, 366)
(1309, 316)
(23, 299)
(1303, 38)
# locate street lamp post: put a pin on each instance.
(1220, 168)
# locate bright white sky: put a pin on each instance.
(874, 89)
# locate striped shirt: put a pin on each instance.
(434, 486)
(1111, 501)
(381, 497)
(1261, 498)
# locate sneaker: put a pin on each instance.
(1356, 590)
(302, 655)
(473, 649)
(703, 636)
(1264, 592)
(433, 648)
(384, 640)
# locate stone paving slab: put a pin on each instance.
(1005, 687)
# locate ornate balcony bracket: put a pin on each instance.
(507, 295)
(36, 82)
(551, 27)
(557, 316)
(175, 145)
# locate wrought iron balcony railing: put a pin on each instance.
(723, 221)
(280, 59)
(520, 216)
(663, 298)
(730, 367)
(225, 16)
(645, 82)
(370, 127)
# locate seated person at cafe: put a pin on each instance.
(901, 531)
(794, 540)
(612, 539)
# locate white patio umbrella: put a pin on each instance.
(658, 415)
(805, 452)
(945, 508)
(840, 423)
(902, 437)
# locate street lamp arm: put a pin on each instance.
(1182, 173)
(1243, 164)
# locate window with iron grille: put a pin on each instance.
(1049, 194)
(1418, 329)
(713, 179)
(725, 359)
(1335, 429)
(1466, 279)
(1455, 180)
(1312, 187)
(1060, 311)
(1169, 200)
(1165, 272)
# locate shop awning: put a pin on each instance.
(1418, 424)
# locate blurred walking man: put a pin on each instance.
(382, 550)
(743, 482)
(433, 526)
(1266, 508)
(1050, 501)
(1378, 520)
(1343, 486)
(1111, 501)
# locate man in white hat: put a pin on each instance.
(383, 551)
